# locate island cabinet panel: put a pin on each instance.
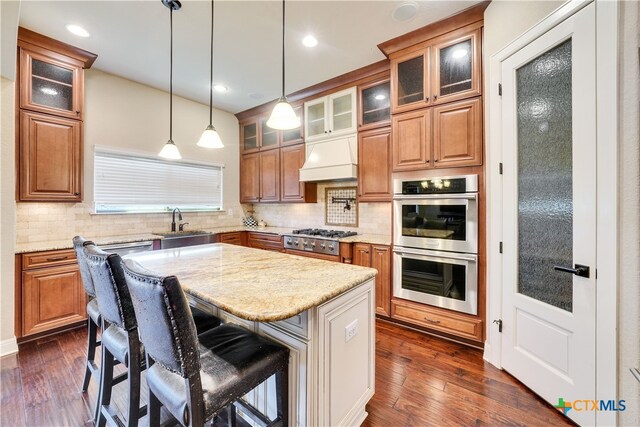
(378, 257)
(49, 292)
(250, 178)
(270, 176)
(291, 189)
(50, 158)
(412, 140)
(457, 134)
(374, 165)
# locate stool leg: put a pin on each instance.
(92, 338)
(282, 400)
(106, 385)
(153, 410)
(231, 421)
(133, 379)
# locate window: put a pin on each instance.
(136, 183)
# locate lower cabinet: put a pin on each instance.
(234, 238)
(267, 241)
(51, 293)
(378, 257)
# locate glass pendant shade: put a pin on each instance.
(210, 138)
(170, 151)
(283, 117)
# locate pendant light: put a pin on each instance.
(210, 137)
(283, 117)
(170, 150)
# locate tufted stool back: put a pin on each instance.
(79, 243)
(164, 318)
(110, 287)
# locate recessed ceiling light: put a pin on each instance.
(380, 97)
(310, 41)
(78, 30)
(220, 88)
(459, 53)
(49, 91)
(405, 11)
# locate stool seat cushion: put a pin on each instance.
(93, 311)
(231, 359)
(203, 320)
(116, 340)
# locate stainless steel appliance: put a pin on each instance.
(436, 213)
(123, 249)
(316, 240)
(435, 240)
(443, 279)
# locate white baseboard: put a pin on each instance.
(8, 346)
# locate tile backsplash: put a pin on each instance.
(374, 218)
(41, 222)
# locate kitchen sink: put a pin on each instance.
(178, 239)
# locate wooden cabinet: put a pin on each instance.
(293, 136)
(378, 257)
(50, 295)
(270, 176)
(233, 238)
(443, 69)
(249, 137)
(374, 165)
(50, 97)
(267, 241)
(374, 105)
(250, 178)
(50, 153)
(412, 140)
(457, 134)
(291, 189)
(448, 322)
(331, 115)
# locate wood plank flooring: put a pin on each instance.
(420, 381)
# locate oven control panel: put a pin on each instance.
(312, 244)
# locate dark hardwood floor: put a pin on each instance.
(420, 381)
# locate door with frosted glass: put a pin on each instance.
(549, 222)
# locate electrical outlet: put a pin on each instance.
(351, 330)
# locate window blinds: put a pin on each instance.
(133, 183)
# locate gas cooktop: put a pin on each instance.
(329, 234)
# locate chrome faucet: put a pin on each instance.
(173, 219)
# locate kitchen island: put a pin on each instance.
(322, 311)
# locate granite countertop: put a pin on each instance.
(253, 284)
(374, 239)
(52, 245)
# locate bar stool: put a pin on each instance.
(196, 377)
(93, 317)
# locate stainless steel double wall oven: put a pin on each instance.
(436, 241)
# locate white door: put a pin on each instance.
(549, 216)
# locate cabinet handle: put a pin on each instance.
(426, 99)
(76, 193)
(435, 97)
(57, 258)
(435, 322)
(435, 160)
(78, 112)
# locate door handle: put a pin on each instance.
(578, 270)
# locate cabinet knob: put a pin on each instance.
(426, 99)
(435, 97)
(326, 131)
(435, 160)
(329, 131)
(76, 193)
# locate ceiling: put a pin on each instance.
(131, 39)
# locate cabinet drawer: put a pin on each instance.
(271, 242)
(437, 320)
(297, 325)
(48, 259)
(231, 238)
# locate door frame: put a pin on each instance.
(606, 198)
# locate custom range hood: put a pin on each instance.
(331, 159)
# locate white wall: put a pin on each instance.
(629, 221)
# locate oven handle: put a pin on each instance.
(439, 254)
(469, 196)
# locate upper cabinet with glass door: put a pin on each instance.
(330, 116)
(375, 106)
(443, 69)
(50, 83)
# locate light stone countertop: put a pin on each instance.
(254, 284)
(374, 239)
(52, 245)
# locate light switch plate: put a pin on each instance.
(351, 330)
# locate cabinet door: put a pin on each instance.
(315, 119)
(269, 138)
(52, 297)
(294, 136)
(457, 134)
(374, 165)
(362, 254)
(50, 84)
(456, 67)
(412, 140)
(292, 158)
(50, 158)
(250, 178)
(375, 105)
(343, 117)
(410, 81)
(249, 137)
(270, 176)
(381, 261)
